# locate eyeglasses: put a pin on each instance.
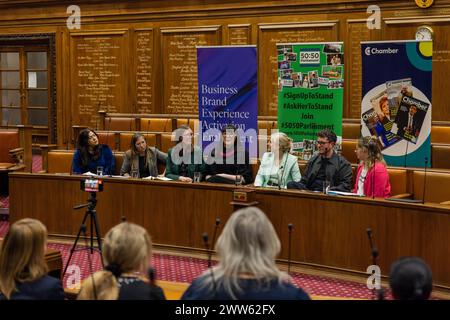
(322, 142)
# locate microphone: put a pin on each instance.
(123, 218)
(424, 180)
(151, 273)
(205, 241)
(372, 149)
(375, 254)
(406, 153)
(216, 227)
(236, 178)
(283, 167)
(94, 287)
(290, 227)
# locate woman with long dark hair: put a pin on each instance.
(90, 155)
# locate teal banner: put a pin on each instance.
(396, 99)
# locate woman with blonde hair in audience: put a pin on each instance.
(278, 167)
(372, 177)
(23, 270)
(247, 249)
(126, 253)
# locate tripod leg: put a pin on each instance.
(99, 237)
(72, 250)
(92, 233)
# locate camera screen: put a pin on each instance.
(92, 185)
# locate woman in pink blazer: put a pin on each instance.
(372, 178)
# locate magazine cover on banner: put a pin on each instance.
(310, 92)
(228, 94)
(396, 99)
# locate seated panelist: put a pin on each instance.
(326, 166)
(372, 177)
(278, 167)
(184, 159)
(90, 155)
(234, 164)
(141, 159)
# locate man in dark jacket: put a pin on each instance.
(327, 167)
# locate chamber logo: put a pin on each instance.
(371, 51)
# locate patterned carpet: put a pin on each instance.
(185, 269)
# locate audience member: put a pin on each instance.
(247, 249)
(410, 279)
(23, 270)
(126, 253)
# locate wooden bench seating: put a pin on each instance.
(440, 134)
(15, 149)
(436, 188)
(440, 156)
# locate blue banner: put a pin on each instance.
(228, 92)
(396, 99)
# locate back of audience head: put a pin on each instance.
(22, 255)
(126, 250)
(410, 279)
(247, 247)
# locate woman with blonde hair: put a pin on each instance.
(247, 249)
(278, 167)
(23, 270)
(372, 178)
(126, 253)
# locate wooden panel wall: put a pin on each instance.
(144, 51)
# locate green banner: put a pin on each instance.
(310, 92)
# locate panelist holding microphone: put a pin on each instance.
(278, 167)
(326, 166)
(372, 178)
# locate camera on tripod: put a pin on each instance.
(91, 185)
